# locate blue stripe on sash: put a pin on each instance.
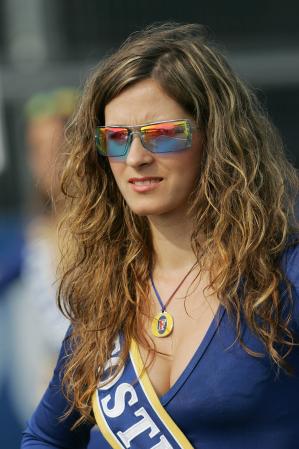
(129, 412)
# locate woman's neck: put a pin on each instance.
(172, 244)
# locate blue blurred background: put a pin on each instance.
(51, 45)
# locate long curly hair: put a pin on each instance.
(243, 204)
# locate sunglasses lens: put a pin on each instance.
(163, 137)
(167, 137)
(112, 142)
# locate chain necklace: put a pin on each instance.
(162, 324)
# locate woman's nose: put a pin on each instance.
(137, 154)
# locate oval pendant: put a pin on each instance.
(162, 324)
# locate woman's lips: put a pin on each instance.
(145, 184)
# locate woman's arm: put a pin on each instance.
(290, 265)
(46, 429)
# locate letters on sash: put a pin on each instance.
(128, 411)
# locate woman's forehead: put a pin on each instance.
(143, 102)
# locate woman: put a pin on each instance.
(32, 295)
(181, 280)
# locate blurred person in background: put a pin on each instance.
(182, 276)
(35, 325)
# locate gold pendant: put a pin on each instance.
(162, 324)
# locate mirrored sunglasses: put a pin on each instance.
(159, 137)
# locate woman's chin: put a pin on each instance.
(144, 211)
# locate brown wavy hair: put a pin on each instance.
(243, 204)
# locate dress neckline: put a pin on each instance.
(198, 354)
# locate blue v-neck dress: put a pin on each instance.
(224, 399)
